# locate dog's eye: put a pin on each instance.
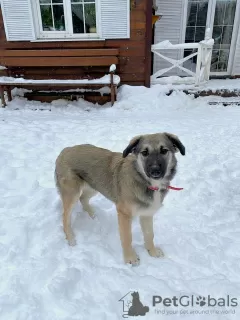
(145, 153)
(163, 151)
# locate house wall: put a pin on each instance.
(134, 67)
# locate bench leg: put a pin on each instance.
(9, 93)
(115, 93)
(112, 95)
(2, 96)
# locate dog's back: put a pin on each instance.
(96, 166)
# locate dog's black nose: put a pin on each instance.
(156, 172)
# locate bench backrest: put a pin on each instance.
(58, 57)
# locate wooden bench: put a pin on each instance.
(12, 59)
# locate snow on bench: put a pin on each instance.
(105, 80)
(110, 80)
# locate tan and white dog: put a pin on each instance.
(136, 180)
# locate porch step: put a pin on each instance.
(224, 93)
(222, 97)
(224, 103)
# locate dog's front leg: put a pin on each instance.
(125, 231)
(147, 229)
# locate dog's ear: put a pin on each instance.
(132, 146)
(176, 143)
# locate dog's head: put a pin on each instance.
(155, 154)
(135, 295)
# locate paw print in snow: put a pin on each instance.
(201, 301)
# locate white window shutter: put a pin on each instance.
(18, 20)
(115, 19)
(169, 27)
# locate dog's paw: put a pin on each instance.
(132, 259)
(90, 211)
(72, 242)
(92, 215)
(156, 252)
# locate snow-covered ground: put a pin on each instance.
(42, 278)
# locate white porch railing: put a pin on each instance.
(203, 51)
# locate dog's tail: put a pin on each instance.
(146, 309)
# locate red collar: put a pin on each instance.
(169, 187)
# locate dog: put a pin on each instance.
(136, 180)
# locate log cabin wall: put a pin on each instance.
(134, 56)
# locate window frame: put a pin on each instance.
(68, 33)
(210, 19)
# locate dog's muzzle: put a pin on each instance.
(156, 172)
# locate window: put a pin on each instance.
(52, 15)
(67, 18)
(54, 20)
(195, 29)
(196, 20)
(222, 34)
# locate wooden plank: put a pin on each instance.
(51, 71)
(123, 43)
(115, 43)
(139, 4)
(127, 64)
(138, 24)
(59, 61)
(75, 74)
(132, 52)
(138, 15)
(148, 44)
(125, 60)
(101, 100)
(133, 83)
(68, 76)
(138, 34)
(52, 44)
(131, 68)
(60, 89)
(140, 77)
(68, 72)
(136, 48)
(51, 85)
(3, 101)
(60, 52)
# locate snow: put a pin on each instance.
(103, 80)
(197, 228)
(112, 68)
(175, 80)
(164, 44)
(208, 42)
(220, 84)
(182, 83)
